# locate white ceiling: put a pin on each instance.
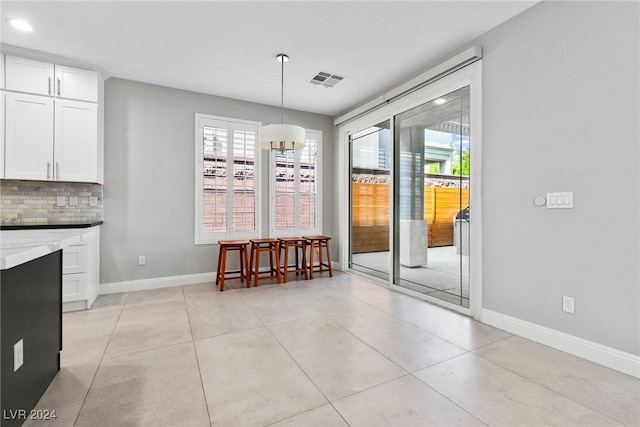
(229, 48)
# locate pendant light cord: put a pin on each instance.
(282, 92)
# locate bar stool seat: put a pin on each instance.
(230, 246)
(319, 242)
(258, 247)
(300, 247)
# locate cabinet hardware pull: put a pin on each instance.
(49, 85)
(57, 170)
(48, 170)
(59, 84)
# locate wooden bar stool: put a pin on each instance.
(300, 247)
(227, 246)
(319, 242)
(259, 246)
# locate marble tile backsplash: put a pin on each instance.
(36, 202)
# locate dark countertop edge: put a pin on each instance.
(50, 226)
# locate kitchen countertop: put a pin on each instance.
(20, 246)
(49, 225)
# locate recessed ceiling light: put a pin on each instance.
(440, 101)
(20, 24)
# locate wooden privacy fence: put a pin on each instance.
(370, 215)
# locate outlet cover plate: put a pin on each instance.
(18, 355)
(568, 305)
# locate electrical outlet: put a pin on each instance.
(18, 355)
(568, 305)
(142, 260)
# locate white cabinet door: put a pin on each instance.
(2, 72)
(1, 134)
(75, 83)
(29, 137)
(76, 141)
(74, 259)
(74, 287)
(27, 75)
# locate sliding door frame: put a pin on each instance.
(470, 75)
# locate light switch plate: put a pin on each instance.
(563, 200)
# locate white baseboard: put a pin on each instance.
(610, 357)
(156, 283)
(74, 306)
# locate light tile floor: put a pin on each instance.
(327, 352)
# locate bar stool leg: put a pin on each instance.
(243, 254)
(275, 246)
(257, 263)
(304, 260)
(271, 259)
(311, 259)
(286, 262)
(219, 267)
(329, 260)
(224, 263)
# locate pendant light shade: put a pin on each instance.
(282, 137)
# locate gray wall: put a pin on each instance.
(560, 113)
(149, 177)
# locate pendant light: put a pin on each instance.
(282, 137)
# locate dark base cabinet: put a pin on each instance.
(31, 310)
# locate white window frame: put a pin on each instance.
(311, 134)
(211, 237)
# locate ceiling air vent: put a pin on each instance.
(326, 79)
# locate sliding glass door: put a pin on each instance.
(370, 184)
(409, 196)
(431, 198)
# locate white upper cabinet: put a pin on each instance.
(27, 75)
(1, 71)
(29, 136)
(43, 78)
(1, 116)
(51, 122)
(76, 141)
(76, 83)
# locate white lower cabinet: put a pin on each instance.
(81, 272)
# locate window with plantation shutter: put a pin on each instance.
(295, 193)
(226, 167)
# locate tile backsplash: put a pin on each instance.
(35, 202)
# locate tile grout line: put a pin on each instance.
(115, 325)
(195, 351)
(297, 364)
(432, 332)
(308, 377)
(532, 381)
(452, 402)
